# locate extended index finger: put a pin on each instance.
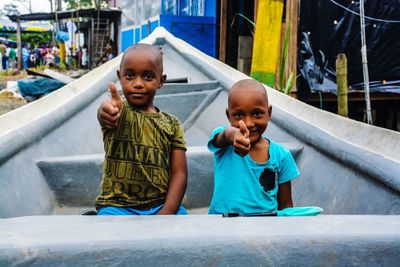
(116, 99)
(243, 129)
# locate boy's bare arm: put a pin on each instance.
(177, 185)
(238, 137)
(285, 196)
(109, 111)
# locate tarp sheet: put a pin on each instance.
(330, 27)
(38, 86)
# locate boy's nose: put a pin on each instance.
(249, 122)
(137, 83)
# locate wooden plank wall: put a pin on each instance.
(291, 14)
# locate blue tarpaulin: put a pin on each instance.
(38, 86)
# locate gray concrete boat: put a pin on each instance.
(50, 170)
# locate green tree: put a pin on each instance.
(9, 10)
(77, 4)
(36, 38)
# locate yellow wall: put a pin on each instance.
(266, 41)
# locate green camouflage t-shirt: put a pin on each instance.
(136, 169)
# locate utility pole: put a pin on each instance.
(51, 6)
(59, 5)
(365, 62)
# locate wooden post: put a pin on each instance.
(291, 59)
(292, 10)
(62, 54)
(255, 10)
(222, 30)
(341, 80)
(19, 45)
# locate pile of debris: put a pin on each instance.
(32, 87)
(10, 98)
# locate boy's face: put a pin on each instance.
(249, 103)
(140, 76)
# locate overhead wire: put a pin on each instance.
(367, 17)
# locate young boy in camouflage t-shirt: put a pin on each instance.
(145, 168)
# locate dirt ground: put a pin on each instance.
(8, 101)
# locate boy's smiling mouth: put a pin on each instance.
(137, 94)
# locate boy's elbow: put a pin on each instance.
(285, 204)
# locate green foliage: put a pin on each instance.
(9, 10)
(289, 83)
(36, 38)
(285, 85)
(78, 4)
(83, 4)
(246, 18)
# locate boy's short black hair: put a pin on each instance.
(145, 47)
(246, 82)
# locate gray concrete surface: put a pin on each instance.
(200, 240)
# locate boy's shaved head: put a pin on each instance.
(141, 75)
(246, 85)
(151, 50)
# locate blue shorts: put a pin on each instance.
(130, 211)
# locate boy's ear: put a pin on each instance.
(227, 113)
(270, 110)
(118, 74)
(163, 79)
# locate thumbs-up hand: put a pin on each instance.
(241, 141)
(110, 110)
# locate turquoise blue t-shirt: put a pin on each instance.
(237, 183)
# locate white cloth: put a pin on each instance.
(71, 32)
(84, 57)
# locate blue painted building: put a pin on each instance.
(191, 20)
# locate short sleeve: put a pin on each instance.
(210, 144)
(179, 139)
(288, 169)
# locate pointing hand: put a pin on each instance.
(116, 99)
(241, 141)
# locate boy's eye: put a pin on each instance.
(148, 77)
(129, 75)
(238, 115)
(258, 114)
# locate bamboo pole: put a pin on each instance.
(341, 80)
(292, 10)
(255, 10)
(365, 63)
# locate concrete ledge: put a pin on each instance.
(200, 240)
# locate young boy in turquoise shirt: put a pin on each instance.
(251, 172)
